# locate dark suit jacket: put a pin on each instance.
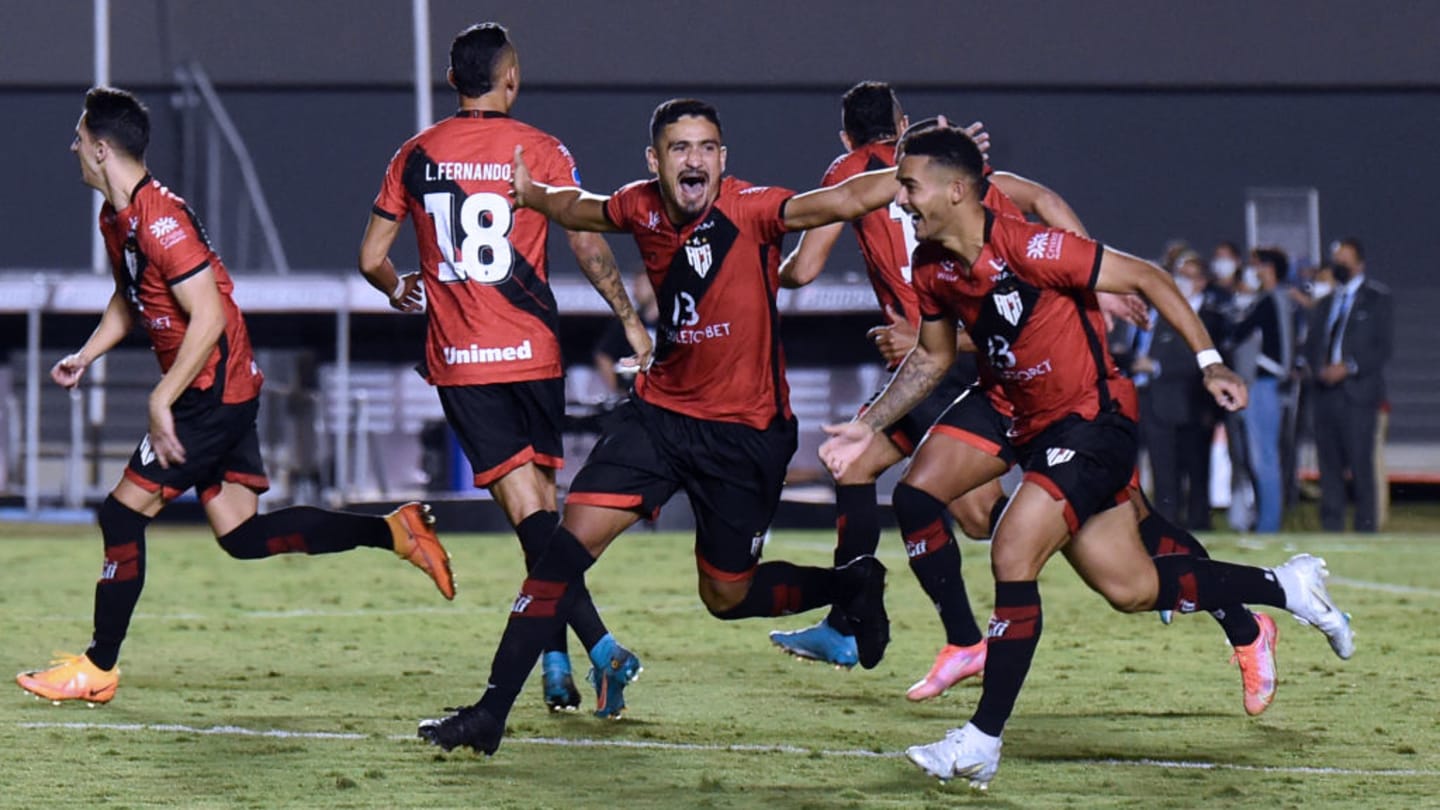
(1365, 347)
(1177, 392)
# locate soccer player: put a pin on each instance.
(711, 416)
(202, 412)
(1025, 293)
(871, 120)
(492, 344)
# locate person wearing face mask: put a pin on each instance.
(1268, 321)
(1224, 265)
(1349, 342)
(1177, 418)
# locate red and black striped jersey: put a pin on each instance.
(885, 235)
(1029, 303)
(490, 312)
(717, 350)
(154, 243)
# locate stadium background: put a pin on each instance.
(1151, 119)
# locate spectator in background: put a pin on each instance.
(1177, 415)
(1224, 265)
(1349, 342)
(614, 346)
(1270, 319)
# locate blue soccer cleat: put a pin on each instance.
(614, 668)
(1167, 616)
(819, 642)
(560, 692)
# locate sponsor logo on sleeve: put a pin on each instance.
(1045, 245)
(168, 231)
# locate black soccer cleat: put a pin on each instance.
(862, 581)
(469, 725)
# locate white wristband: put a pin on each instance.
(399, 291)
(1207, 358)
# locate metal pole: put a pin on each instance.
(75, 458)
(341, 428)
(102, 79)
(424, 102)
(32, 399)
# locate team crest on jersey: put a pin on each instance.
(1010, 306)
(699, 254)
(1055, 456)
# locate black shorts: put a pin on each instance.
(221, 444)
(1087, 463)
(973, 420)
(732, 474)
(910, 429)
(504, 425)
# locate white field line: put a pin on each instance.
(673, 606)
(1384, 587)
(1163, 764)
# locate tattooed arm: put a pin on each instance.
(598, 264)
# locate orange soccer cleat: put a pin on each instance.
(1257, 666)
(413, 528)
(953, 665)
(71, 677)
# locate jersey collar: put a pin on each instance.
(480, 114)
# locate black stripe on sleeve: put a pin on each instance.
(781, 213)
(1095, 271)
(382, 213)
(926, 316)
(172, 282)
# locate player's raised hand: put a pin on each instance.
(895, 339)
(521, 186)
(163, 440)
(409, 293)
(1129, 308)
(1226, 386)
(977, 133)
(67, 372)
(847, 443)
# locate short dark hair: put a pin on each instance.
(867, 112)
(474, 55)
(1354, 244)
(947, 145)
(676, 108)
(1276, 258)
(118, 118)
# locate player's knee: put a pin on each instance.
(721, 597)
(1127, 599)
(246, 541)
(973, 521)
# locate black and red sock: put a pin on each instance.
(1013, 636)
(782, 588)
(121, 579)
(935, 559)
(857, 533)
(305, 530)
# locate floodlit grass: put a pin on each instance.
(361, 645)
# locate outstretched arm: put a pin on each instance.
(1123, 273)
(572, 208)
(1039, 201)
(113, 327)
(841, 202)
(918, 374)
(806, 261)
(598, 264)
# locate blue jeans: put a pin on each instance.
(1262, 433)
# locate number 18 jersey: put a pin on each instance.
(491, 314)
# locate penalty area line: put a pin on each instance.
(654, 745)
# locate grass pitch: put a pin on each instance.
(298, 681)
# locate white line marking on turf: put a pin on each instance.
(853, 753)
(1384, 587)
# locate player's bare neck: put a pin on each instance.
(120, 181)
(493, 101)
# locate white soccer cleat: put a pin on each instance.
(1303, 579)
(965, 752)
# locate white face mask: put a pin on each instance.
(1186, 285)
(1251, 278)
(1320, 289)
(1223, 266)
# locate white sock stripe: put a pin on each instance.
(704, 748)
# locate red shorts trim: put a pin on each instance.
(485, 478)
(1050, 487)
(980, 443)
(167, 494)
(898, 438)
(606, 499)
(724, 576)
